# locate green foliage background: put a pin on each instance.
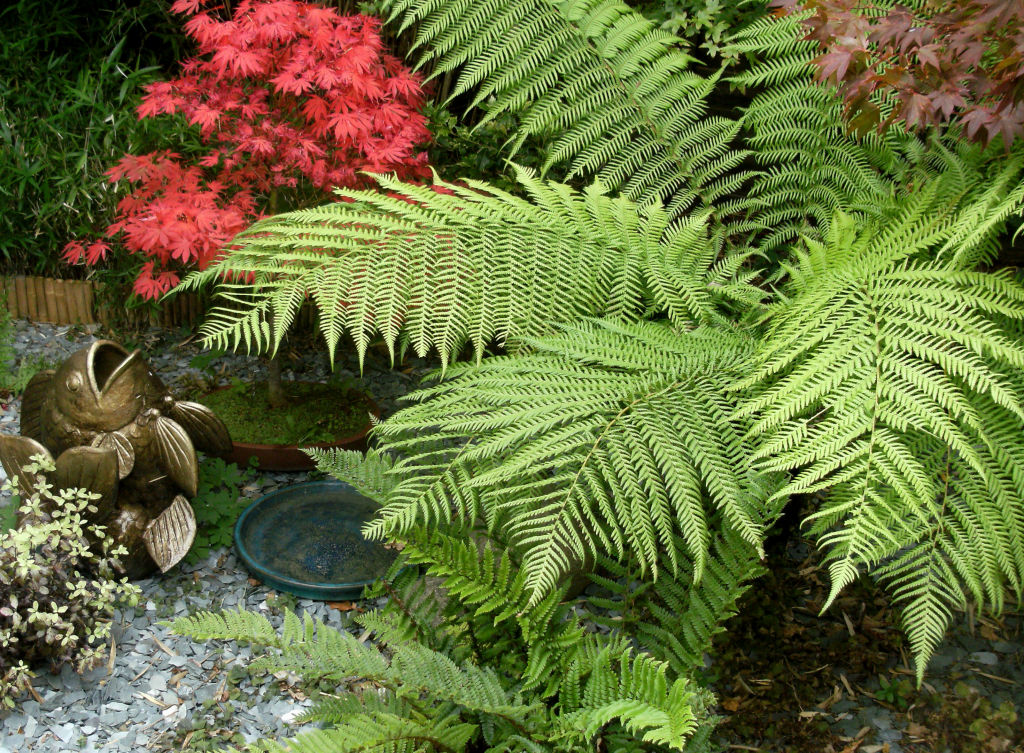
(72, 73)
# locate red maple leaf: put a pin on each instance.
(73, 252)
(205, 117)
(285, 93)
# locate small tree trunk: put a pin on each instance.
(275, 389)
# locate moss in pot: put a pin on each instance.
(311, 415)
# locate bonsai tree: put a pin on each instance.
(291, 99)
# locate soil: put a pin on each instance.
(316, 413)
(790, 679)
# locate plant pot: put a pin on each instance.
(285, 457)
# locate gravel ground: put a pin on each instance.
(163, 693)
(158, 691)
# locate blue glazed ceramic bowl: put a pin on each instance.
(305, 539)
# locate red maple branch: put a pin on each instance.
(288, 97)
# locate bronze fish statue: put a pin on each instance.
(115, 429)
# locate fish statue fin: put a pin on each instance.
(119, 443)
(177, 455)
(32, 401)
(91, 468)
(208, 432)
(16, 453)
(169, 536)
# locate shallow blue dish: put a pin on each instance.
(305, 539)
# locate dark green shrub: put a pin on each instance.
(72, 77)
(706, 25)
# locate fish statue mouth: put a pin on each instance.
(106, 362)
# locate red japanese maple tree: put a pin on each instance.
(946, 61)
(292, 99)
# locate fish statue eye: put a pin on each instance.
(74, 382)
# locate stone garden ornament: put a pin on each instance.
(116, 430)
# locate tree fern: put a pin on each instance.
(888, 381)
(611, 437)
(609, 91)
(473, 266)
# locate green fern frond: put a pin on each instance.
(676, 619)
(471, 266)
(779, 50)
(369, 473)
(489, 585)
(605, 87)
(339, 708)
(413, 613)
(974, 240)
(371, 731)
(317, 651)
(891, 383)
(609, 437)
(236, 625)
(429, 701)
(638, 694)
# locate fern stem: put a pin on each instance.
(866, 481)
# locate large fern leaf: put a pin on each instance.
(608, 437)
(473, 265)
(604, 87)
(888, 380)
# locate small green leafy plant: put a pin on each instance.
(217, 505)
(28, 366)
(15, 372)
(206, 361)
(896, 692)
(440, 696)
(964, 719)
(56, 594)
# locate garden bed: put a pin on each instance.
(786, 680)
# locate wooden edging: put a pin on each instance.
(47, 299)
